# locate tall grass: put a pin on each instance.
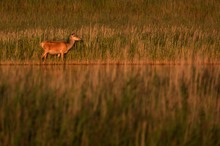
(103, 43)
(112, 29)
(109, 105)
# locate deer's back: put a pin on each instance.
(51, 45)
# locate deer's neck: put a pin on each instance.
(70, 44)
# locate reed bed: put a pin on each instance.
(170, 30)
(102, 43)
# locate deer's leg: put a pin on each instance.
(44, 55)
(62, 56)
(58, 55)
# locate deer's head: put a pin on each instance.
(74, 37)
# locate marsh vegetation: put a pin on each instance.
(115, 95)
(129, 30)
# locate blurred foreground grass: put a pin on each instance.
(109, 105)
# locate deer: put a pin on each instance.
(58, 47)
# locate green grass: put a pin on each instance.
(115, 30)
(109, 105)
(130, 44)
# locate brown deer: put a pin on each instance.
(58, 47)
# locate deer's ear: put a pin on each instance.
(73, 33)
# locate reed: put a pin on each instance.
(102, 43)
(112, 30)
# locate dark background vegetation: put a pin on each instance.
(23, 14)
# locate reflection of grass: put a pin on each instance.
(109, 105)
(91, 63)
